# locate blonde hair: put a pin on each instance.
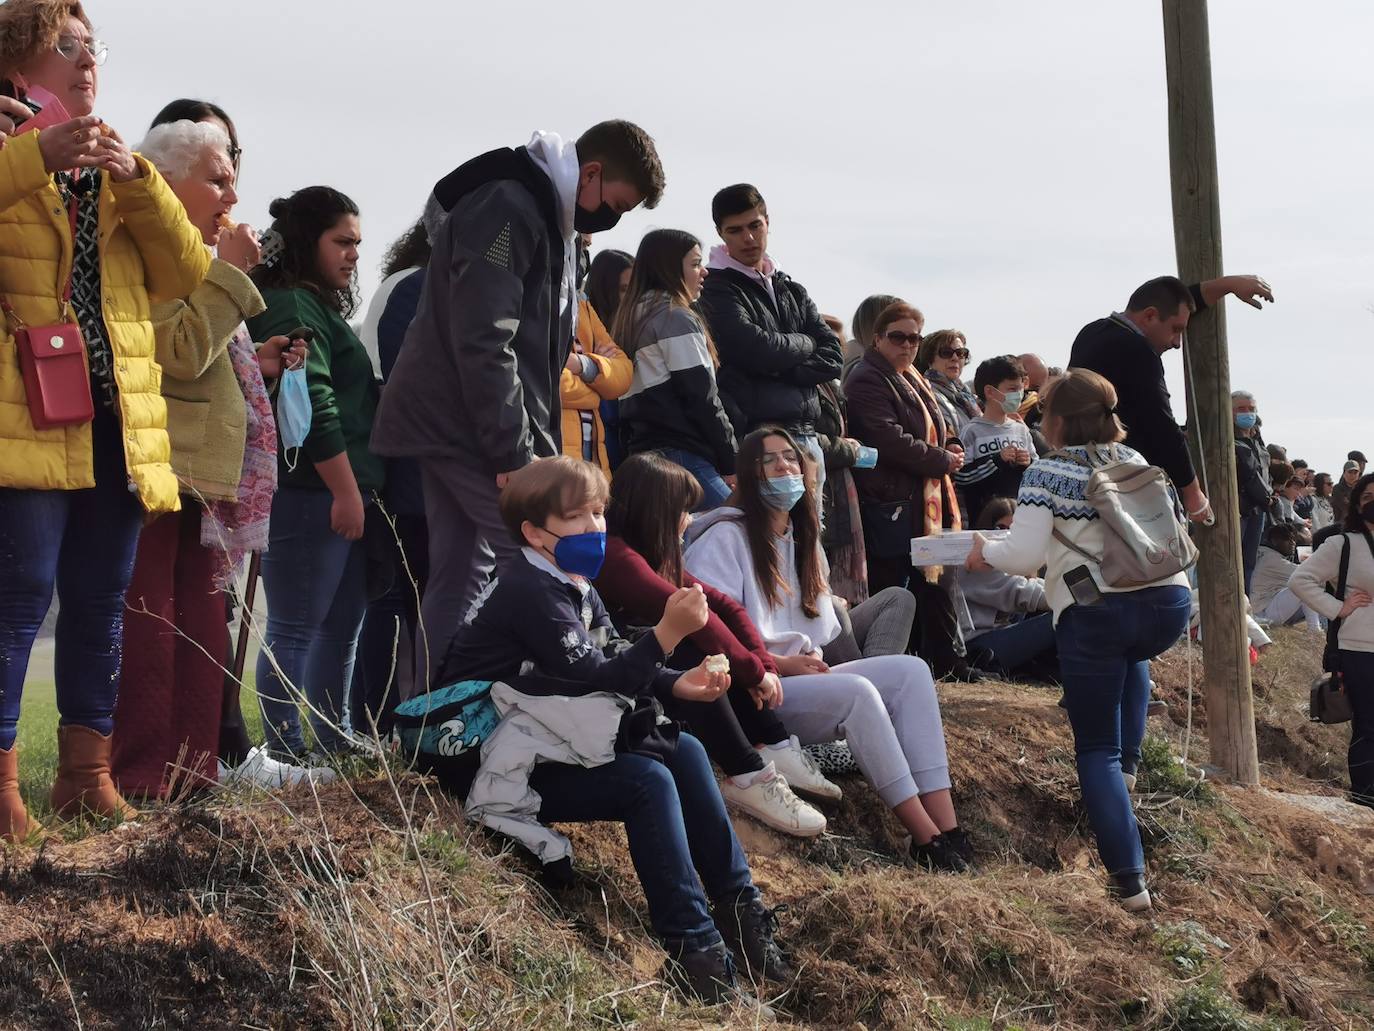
(550, 486)
(1084, 406)
(29, 27)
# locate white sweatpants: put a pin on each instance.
(886, 709)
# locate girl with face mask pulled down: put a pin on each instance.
(762, 549)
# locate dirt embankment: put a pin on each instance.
(374, 906)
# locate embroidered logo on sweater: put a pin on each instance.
(575, 645)
(499, 251)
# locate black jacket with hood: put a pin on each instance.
(773, 354)
(477, 379)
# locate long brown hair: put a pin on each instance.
(758, 524)
(657, 268)
(649, 496)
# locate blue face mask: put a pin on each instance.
(1246, 420)
(783, 492)
(293, 412)
(1011, 401)
(582, 554)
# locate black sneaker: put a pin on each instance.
(708, 976)
(939, 853)
(1129, 890)
(961, 673)
(962, 844)
(748, 927)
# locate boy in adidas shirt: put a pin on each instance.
(997, 447)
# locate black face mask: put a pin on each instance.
(1367, 512)
(598, 221)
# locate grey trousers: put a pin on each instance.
(468, 544)
(879, 626)
(887, 711)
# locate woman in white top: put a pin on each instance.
(1106, 636)
(1356, 637)
(763, 550)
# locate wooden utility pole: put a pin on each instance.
(1197, 240)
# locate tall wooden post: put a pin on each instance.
(1197, 240)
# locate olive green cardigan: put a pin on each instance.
(206, 411)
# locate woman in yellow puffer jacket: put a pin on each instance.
(596, 371)
(76, 204)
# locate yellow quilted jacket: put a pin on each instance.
(615, 373)
(148, 252)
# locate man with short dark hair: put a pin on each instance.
(775, 349)
(1127, 349)
(474, 393)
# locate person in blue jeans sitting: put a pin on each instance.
(542, 627)
(1106, 635)
(1010, 630)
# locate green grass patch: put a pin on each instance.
(1161, 773)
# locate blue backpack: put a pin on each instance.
(442, 731)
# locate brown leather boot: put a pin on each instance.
(15, 824)
(84, 785)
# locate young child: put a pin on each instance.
(997, 448)
(581, 725)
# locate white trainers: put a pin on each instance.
(769, 800)
(1129, 778)
(262, 771)
(801, 770)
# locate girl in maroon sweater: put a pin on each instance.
(651, 499)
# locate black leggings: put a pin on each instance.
(729, 728)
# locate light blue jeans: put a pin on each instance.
(713, 488)
(316, 587)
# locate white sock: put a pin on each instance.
(746, 780)
(781, 746)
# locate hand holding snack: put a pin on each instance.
(238, 244)
(701, 684)
(114, 155)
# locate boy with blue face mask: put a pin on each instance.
(997, 445)
(541, 628)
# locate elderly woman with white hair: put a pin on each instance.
(1253, 486)
(224, 442)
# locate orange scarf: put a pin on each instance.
(937, 493)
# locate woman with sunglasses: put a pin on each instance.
(93, 237)
(909, 493)
(762, 550)
(942, 358)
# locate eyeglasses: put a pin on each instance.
(235, 158)
(773, 459)
(904, 339)
(947, 353)
(70, 47)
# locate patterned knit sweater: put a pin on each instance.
(1053, 497)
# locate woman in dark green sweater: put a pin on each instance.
(314, 571)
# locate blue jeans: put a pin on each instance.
(1104, 653)
(677, 827)
(1016, 644)
(713, 488)
(1251, 536)
(84, 543)
(316, 587)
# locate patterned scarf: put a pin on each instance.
(84, 188)
(234, 528)
(954, 391)
(937, 494)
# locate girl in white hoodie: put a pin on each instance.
(763, 550)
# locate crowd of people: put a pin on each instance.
(659, 504)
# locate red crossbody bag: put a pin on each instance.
(52, 360)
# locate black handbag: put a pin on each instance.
(887, 528)
(1328, 702)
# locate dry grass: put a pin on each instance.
(371, 905)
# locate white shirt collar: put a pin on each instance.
(539, 562)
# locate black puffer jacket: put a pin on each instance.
(1252, 475)
(772, 355)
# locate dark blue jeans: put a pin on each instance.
(1358, 673)
(1251, 536)
(677, 827)
(1104, 655)
(1016, 644)
(714, 490)
(316, 588)
(83, 542)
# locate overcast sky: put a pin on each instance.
(1003, 165)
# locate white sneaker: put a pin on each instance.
(769, 800)
(1129, 778)
(801, 770)
(262, 771)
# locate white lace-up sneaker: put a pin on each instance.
(769, 800)
(801, 770)
(262, 771)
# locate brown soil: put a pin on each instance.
(319, 914)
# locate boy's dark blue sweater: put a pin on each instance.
(535, 623)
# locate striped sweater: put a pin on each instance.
(1053, 496)
(986, 475)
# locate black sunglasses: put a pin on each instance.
(947, 353)
(900, 338)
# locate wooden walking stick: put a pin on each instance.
(250, 593)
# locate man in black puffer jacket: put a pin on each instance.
(774, 347)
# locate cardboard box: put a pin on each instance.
(949, 548)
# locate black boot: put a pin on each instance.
(748, 926)
(961, 843)
(708, 976)
(939, 853)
